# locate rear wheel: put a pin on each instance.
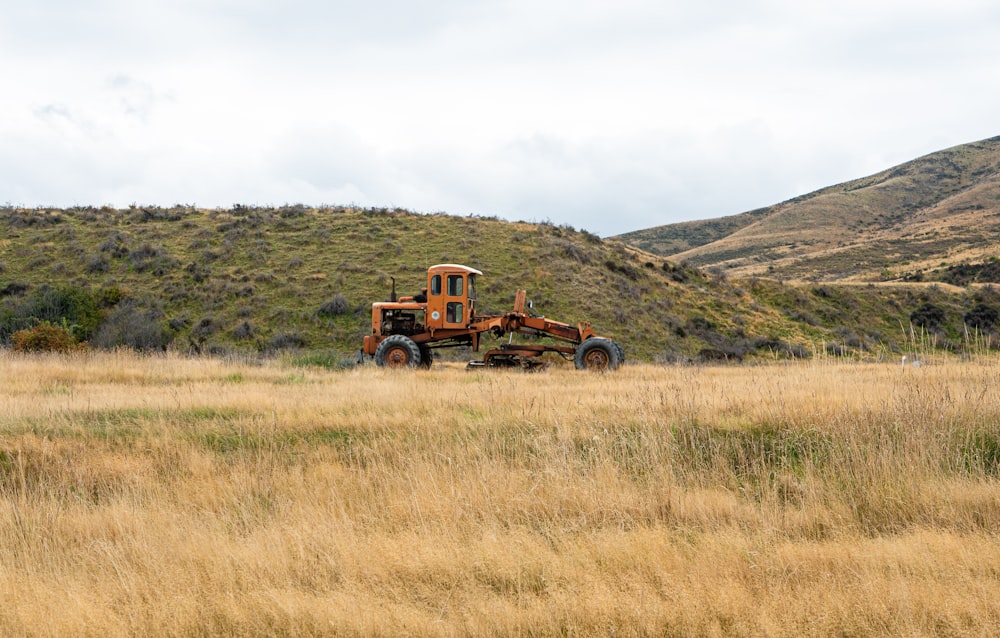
(620, 351)
(397, 351)
(598, 355)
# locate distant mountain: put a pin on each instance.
(934, 218)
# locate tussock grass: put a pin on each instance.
(164, 495)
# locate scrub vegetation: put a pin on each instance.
(930, 219)
(164, 495)
(256, 282)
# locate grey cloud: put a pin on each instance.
(136, 98)
(48, 112)
(66, 122)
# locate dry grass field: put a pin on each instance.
(172, 496)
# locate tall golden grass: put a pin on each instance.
(172, 496)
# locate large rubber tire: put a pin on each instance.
(426, 356)
(597, 355)
(397, 351)
(621, 353)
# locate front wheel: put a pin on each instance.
(397, 351)
(598, 355)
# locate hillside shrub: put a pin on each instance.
(35, 218)
(837, 350)
(286, 341)
(780, 348)
(802, 317)
(929, 317)
(13, 290)
(206, 327)
(964, 274)
(198, 271)
(110, 296)
(136, 329)
(709, 355)
(849, 337)
(335, 307)
(573, 251)
(46, 337)
(983, 318)
(625, 269)
(77, 308)
(115, 246)
(243, 331)
(698, 324)
(97, 264)
(154, 259)
(677, 273)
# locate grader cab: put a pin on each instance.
(406, 330)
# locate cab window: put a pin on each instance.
(472, 287)
(454, 313)
(454, 285)
(436, 285)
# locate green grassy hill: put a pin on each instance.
(265, 280)
(916, 221)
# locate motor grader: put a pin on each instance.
(407, 329)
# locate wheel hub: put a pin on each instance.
(597, 359)
(397, 358)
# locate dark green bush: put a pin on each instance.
(929, 317)
(13, 290)
(76, 308)
(983, 318)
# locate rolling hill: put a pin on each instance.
(252, 281)
(934, 218)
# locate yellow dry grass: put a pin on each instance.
(171, 496)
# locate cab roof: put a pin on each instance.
(454, 267)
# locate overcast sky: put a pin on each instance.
(605, 115)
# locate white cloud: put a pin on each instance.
(606, 115)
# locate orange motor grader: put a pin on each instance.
(405, 330)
